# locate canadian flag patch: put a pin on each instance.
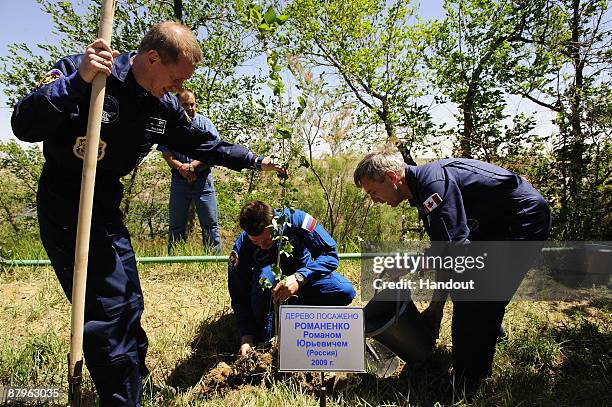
(432, 202)
(309, 223)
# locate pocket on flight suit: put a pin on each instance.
(113, 273)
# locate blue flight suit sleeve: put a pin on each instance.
(201, 144)
(239, 275)
(322, 247)
(41, 112)
(198, 121)
(163, 149)
(440, 206)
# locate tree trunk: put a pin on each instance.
(576, 144)
(403, 148)
(178, 10)
(465, 143)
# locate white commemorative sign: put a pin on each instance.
(323, 338)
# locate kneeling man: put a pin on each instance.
(310, 270)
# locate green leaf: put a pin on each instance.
(287, 248)
(304, 162)
(264, 27)
(278, 273)
(264, 283)
(259, 104)
(284, 132)
(270, 15)
(254, 13)
(302, 101)
(281, 19)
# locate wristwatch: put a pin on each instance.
(299, 277)
(258, 162)
(191, 167)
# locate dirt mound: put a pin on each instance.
(254, 368)
(216, 379)
(259, 368)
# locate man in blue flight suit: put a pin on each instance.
(463, 200)
(310, 273)
(192, 181)
(139, 111)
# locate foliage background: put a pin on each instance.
(346, 77)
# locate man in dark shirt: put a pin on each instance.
(139, 111)
(463, 200)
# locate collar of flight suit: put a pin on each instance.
(411, 181)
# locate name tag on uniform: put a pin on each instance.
(156, 125)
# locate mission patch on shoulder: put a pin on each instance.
(233, 259)
(50, 76)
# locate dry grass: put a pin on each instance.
(558, 353)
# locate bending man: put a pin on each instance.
(463, 200)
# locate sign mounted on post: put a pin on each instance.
(321, 338)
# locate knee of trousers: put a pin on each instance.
(331, 290)
(346, 293)
(343, 288)
(112, 330)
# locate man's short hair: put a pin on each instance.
(255, 216)
(376, 165)
(172, 40)
(184, 93)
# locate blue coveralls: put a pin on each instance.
(314, 256)
(133, 121)
(463, 200)
(201, 192)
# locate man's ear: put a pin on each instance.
(392, 176)
(153, 56)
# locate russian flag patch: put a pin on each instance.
(432, 203)
(309, 223)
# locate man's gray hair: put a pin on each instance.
(376, 165)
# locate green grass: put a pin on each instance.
(558, 354)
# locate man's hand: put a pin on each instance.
(268, 165)
(285, 289)
(99, 57)
(246, 345)
(183, 169)
(433, 316)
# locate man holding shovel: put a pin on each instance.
(139, 111)
(463, 201)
